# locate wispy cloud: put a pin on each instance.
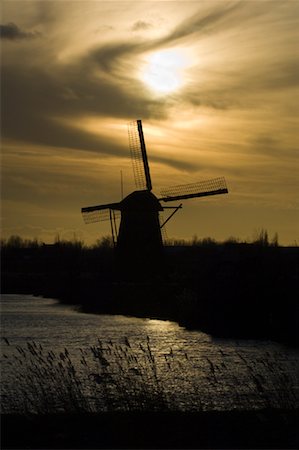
(233, 116)
(34, 97)
(213, 19)
(12, 32)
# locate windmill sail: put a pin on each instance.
(99, 213)
(138, 234)
(203, 188)
(139, 156)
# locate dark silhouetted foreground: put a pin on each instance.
(246, 429)
(232, 289)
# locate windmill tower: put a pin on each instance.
(139, 238)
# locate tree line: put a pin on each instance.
(261, 238)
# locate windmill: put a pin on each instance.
(139, 235)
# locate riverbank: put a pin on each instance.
(237, 290)
(276, 429)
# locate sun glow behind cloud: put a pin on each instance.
(215, 84)
(163, 71)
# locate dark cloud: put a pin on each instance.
(12, 32)
(34, 99)
(102, 83)
(244, 87)
(110, 56)
(141, 25)
(274, 147)
(47, 184)
(222, 17)
(176, 163)
(278, 75)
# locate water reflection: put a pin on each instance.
(155, 325)
(193, 370)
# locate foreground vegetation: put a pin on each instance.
(102, 377)
(260, 237)
(109, 376)
(235, 289)
(112, 395)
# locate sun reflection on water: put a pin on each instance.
(192, 370)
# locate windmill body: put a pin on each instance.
(140, 224)
(138, 239)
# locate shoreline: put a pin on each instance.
(232, 291)
(173, 302)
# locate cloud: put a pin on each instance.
(247, 86)
(102, 82)
(35, 98)
(265, 144)
(111, 55)
(12, 32)
(221, 16)
(141, 25)
(176, 163)
(233, 117)
(40, 101)
(45, 106)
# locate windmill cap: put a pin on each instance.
(140, 201)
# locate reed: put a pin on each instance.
(110, 376)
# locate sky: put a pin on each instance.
(215, 84)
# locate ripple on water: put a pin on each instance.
(192, 370)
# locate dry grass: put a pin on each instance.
(112, 376)
(109, 377)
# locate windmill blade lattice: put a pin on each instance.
(141, 230)
(99, 213)
(200, 189)
(138, 155)
(99, 216)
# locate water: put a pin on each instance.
(192, 369)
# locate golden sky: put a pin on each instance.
(214, 82)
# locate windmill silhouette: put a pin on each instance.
(139, 235)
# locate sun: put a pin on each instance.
(163, 71)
